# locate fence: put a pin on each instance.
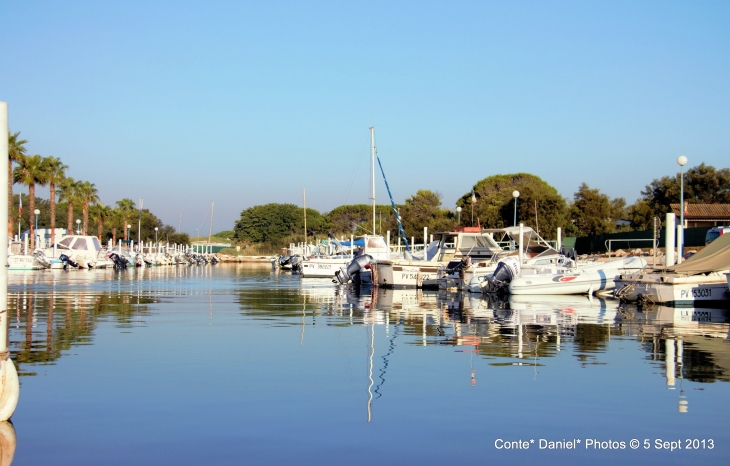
(693, 237)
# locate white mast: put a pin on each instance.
(210, 228)
(372, 171)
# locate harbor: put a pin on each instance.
(189, 364)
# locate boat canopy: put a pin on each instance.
(358, 242)
(713, 258)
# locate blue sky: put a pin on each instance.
(245, 103)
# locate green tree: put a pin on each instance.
(31, 172)
(88, 194)
(101, 214)
(703, 184)
(126, 208)
(56, 173)
(423, 209)
(539, 204)
(16, 150)
(69, 189)
(591, 211)
(269, 223)
(358, 219)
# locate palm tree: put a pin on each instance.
(69, 193)
(56, 174)
(114, 221)
(126, 209)
(31, 171)
(100, 213)
(16, 150)
(88, 194)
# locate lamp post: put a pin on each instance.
(156, 234)
(78, 226)
(458, 214)
(682, 161)
(35, 233)
(515, 194)
(473, 200)
(129, 233)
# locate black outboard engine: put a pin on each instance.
(353, 269)
(569, 253)
(67, 261)
(120, 263)
(507, 269)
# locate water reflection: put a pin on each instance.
(8, 443)
(485, 341)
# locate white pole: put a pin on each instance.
(10, 384)
(425, 239)
(680, 243)
(669, 241)
(387, 239)
(670, 360)
(560, 238)
(4, 154)
(372, 171)
(522, 231)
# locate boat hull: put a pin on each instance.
(406, 274)
(698, 290)
(23, 262)
(322, 268)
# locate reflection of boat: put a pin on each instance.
(700, 280)
(586, 309)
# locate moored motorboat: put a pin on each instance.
(587, 279)
(699, 281)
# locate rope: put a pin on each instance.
(395, 210)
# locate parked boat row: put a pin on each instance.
(86, 252)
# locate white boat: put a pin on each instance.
(587, 279)
(360, 268)
(328, 257)
(445, 254)
(699, 281)
(24, 262)
(86, 251)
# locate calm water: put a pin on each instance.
(241, 365)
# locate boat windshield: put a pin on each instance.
(79, 244)
(65, 243)
(471, 242)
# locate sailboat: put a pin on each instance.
(374, 247)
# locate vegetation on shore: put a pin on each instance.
(79, 208)
(490, 204)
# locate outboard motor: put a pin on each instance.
(67, 261)
(120, 263)
(507, 269)
(353, 269)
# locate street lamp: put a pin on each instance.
(35, 233)
(682, 161)
(78, 226)
(458, 214)
(156, 234)
(515, 194)
(129, 233)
